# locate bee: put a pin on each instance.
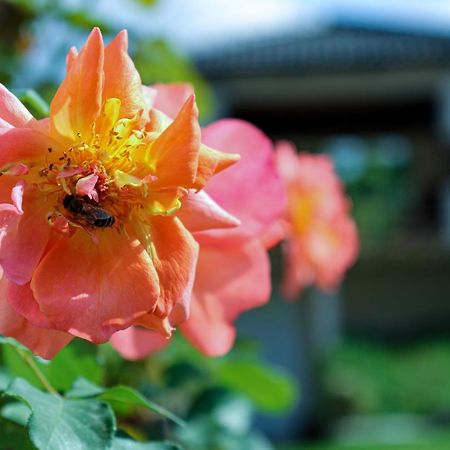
(81, 208)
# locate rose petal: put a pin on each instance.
(252, 190)
(24, 241)
(149, 95)
(229, 281)
(210, 163)
(22, 300)
(175, 258)
(17, 169)
(200, 212)
(137, 343)
(174, 154)
(92, 290)
(72, 55)
(122, 80)
(41, 341)
(86, 186)
(22, 145)
(10, 214)
(77, 103)
(11, 110)
(171, 97)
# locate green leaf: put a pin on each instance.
(11, 341)
(146, 2)
(62, 371)
(127, 444)
(13, 437)
(130, 396)
(224, 408)
(5, 379)
(120, 394)
(33, 101)
(270, 389)
(57, 423)
(16, 412)
(71, 363)
(15, 364)
(158, 62)
(82, 388)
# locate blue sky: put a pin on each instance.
(194, 24)
(197, 25)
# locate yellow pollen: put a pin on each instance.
(117, 158)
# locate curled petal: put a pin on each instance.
(17, 196)
(86, 187)
(91, 290)
(200, 212)
(152, 322)
(10, 214)
(17, 169)
(66, 173)
(211, 162)
(11, 110)
(220, 296)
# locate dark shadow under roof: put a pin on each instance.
(339, 50)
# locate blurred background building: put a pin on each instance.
(367, 83)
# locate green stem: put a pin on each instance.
(28, 359)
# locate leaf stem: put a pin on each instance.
(29, 360)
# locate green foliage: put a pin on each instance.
(270, 389)
(146, 2)
(158, 62)
(120, 394)
(82, 418)
(221, 420)
(13, 437)
(126, 444)
(56, 422)
(74, 361)
(33, 101)
(378, 176)
(125, 394)
(367, 378)
(16, 412)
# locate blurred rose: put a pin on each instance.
(322, 239)
(233, 271)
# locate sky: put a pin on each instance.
(192, 25)
(195, 26)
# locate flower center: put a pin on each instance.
(107, 179)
